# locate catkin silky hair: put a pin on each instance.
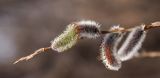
(88, 29)
(108, 49)
(73, 32)
(132, 44)
(66, 40)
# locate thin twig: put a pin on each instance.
(41, 50)
(149, 55)
(146, 27)
(153, 25)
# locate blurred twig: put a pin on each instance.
(146, 27)
(41, 50)
(149, 55)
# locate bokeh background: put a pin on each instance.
(26, 25)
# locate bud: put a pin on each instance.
(74, 31)
(108, 53)
(66, 40)
(88, 29)
(132, 44)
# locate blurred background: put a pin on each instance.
(26, 25)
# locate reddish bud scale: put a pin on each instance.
(108, 55)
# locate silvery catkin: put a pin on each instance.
(108, 49)
(132, 44)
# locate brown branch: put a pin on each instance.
(146, 27)
(105, 32)
(41, 50)
(153, 25)
(149, 55)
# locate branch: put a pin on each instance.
(146, 27)
(153, 25)
(41, 50)
(148, 55)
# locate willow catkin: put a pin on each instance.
(88, 29)
(66, 40)
(132, 44)
(73, 32)
(108, 53)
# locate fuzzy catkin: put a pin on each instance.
(108, 49)
(132, 44)
(66, 40)
(73, 32)
(88, 29)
